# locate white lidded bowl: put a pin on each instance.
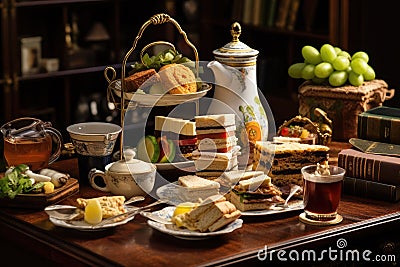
(94, 138)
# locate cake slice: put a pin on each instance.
(283, 161)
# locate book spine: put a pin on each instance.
(292, 16)
(363, 167)
(378, 129)
(283, 11)
(271, 13)
(369, 189)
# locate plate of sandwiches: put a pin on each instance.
(253, 193)
(213, 216)
(158, 99)
(189, 188)
(110, 206)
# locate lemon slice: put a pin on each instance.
(93, 213)
(183, 208)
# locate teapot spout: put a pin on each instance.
(222, 75)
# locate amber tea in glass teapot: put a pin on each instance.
(30, 141)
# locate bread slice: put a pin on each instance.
(224, 220)
(234, 176)
(215, 164)
(193, 187)
(216, 120)
(211, 214)
(247, 205)
(252, 184)
(221, 155)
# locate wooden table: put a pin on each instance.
(367, 225)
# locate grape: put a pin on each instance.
(337, 50)
(330, 65)
(328, 53)
(317, 80)
(341, 63)
(361, 54)
(369, 75)
(358, 65)
(356, 79)
(344, 54)
(294, 70)
(311, 54)
(323, 70)
(307, 72)
(338, 78)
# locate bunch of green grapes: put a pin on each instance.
(333, 65)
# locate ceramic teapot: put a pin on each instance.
(235, 74)
(128, 177)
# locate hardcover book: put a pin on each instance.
(380, 124)
(371, 167)
(369, 189)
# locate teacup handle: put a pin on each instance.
(93, 174)
(56, 154)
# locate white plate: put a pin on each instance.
(170, 192)
(159, 99)
(81, 225)
(174, 165)
(293, 205)
(167, 213)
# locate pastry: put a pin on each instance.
(177, 79)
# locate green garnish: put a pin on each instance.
(163, 58)
(16, 182)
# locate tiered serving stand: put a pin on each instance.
(123, 100)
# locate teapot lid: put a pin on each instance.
(236, 53)
(130, 164)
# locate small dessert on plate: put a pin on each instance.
(257, 193)
(211, 214)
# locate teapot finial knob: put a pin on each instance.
(129, 154)
(236, 30)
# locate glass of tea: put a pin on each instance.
(32, 142)
(322, 192)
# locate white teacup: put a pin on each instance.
(94, 138)
(130, 177)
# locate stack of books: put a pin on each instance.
(370, 173)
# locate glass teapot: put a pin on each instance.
(30, 141)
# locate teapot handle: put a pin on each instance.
(59, 141)
(93, 174)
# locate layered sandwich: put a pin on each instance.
(283, 161)
(182, 133)
(192, 188)
(216, 133)
(256, 193)
(217, 149)
(213, 164)
(212, 214)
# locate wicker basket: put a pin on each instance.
(342, 104)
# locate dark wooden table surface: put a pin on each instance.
(367, 224)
